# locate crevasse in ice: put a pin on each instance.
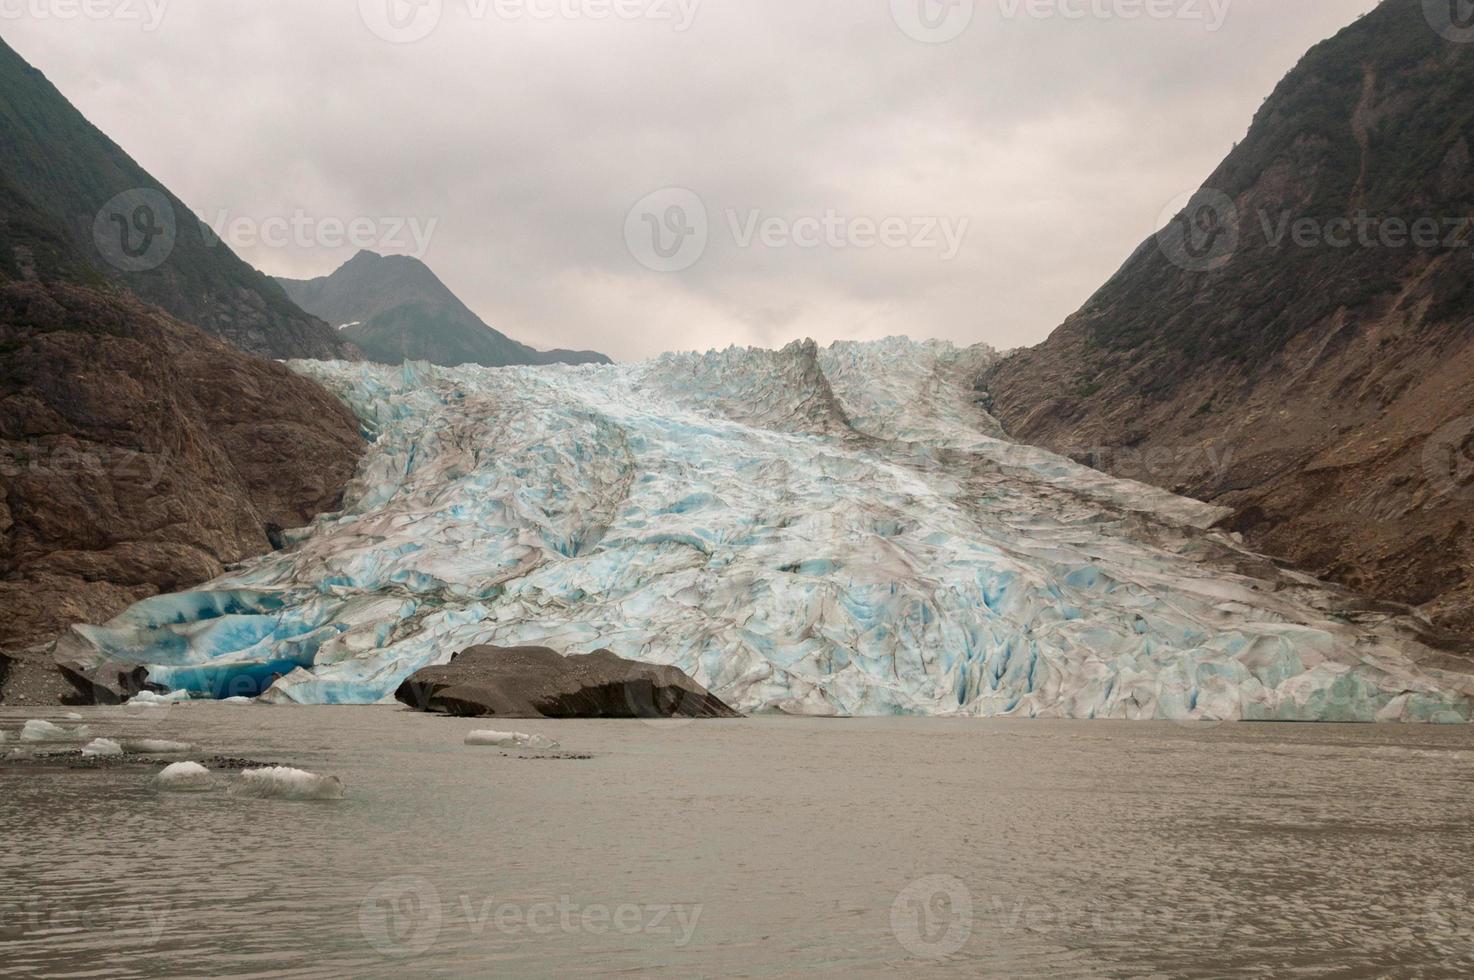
(838, 531)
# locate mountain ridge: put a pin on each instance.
(75, 206)
(1245, 356)
(395, 308)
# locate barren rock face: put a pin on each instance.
(535, 682)
(1301, 354)
(139, 455)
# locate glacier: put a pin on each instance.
(837, 531)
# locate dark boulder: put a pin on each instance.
(535, 682)
(111, 682)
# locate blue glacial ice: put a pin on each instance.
(822, 532)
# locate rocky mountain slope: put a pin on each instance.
(1298, 344)
(139, 455)
(395, 309)
(74, 206)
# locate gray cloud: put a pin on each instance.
(527, 141)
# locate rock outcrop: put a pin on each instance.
(535, 682)
(139, 455)
(1298, 345)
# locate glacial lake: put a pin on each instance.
(762, 847)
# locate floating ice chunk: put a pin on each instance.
(73, 716)
(101, 747)
(511, 740)
(156, 746)
(283, 783)
(238, 699)
(40, 730)
(151, 699)
(184, 777)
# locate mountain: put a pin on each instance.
(139, 455)
(74, 206)
(1298, 344)
(804, 531)
(395, 309)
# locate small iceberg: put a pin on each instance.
(152, 700)
(40, 730)
(73, 716)
(156, 746)
(101, 747)
(184, 777)
(511, 740)
(283, 783)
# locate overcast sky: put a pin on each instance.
(969, 171)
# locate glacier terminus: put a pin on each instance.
(838, 531)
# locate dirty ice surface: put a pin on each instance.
(823, 532)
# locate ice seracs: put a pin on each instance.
(831, 532)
